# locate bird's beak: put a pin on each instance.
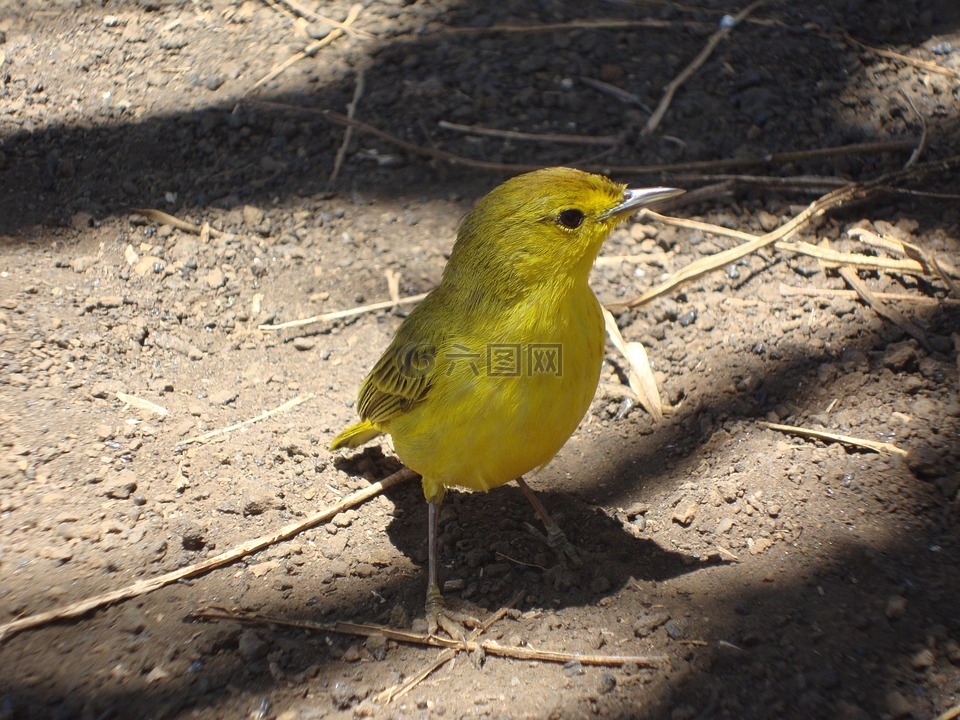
(641, 197)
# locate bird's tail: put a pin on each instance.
(355, 435)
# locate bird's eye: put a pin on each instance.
(570, 219)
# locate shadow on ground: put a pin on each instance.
(215, 157)
(832, 602)
(776, 87)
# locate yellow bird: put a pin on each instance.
(487, 378)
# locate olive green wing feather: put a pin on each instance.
(402, 378)
(399, 381)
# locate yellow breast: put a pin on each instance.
(505, 398)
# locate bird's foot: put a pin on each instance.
(565, 549)
(440, 617)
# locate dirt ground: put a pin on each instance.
(773, 575)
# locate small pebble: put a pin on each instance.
(896, 607)
(191, 535)
(898, 706)
(608, 683)
(688, 318)
(648, 622)
(213, 81)
(343, 696)
(251, 646)
(673, 630)
(923, 659)
(685, 515)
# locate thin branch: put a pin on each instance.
(348, 131)
(941, 268)
(689, 70)
(141, 404)
(781, 158)
(341, 119)
(922, 144)
(931, 264)
(490, 647)
(309, 50)
(583, 24)
(557, 138)
(447, 655)
(639, 373)
(724, 164)
(950, 714)
(701, 226)
(249, 547)
(876, 446)
(801, 182)
(790, 290)
(882, 309)
(722, 259)
(619, 93)
(312, 16)
(167, 219)
(338, 314)
(916, 62)
(829, 201)
(833, 258)
(283, 407)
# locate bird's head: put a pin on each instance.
(547, 224)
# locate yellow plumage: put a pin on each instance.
(487, 378)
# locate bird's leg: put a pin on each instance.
(434, 598)
(438, 616)
(556, 538)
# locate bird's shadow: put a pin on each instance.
(491, 546)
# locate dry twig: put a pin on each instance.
(167, 219)
(950, 714)
(724, 164)
(556, 138)
(829, 201)
(689, 70)
(283, 407)
(941, 268)
(338, 314)
(722, 259)
(796, 182)
(471, 644)
(780, 158)
(141, 404)
(249, 547)
(583, 24)
(348, 131)
(393, 285)
(310, 49)
(875, 445)
(308, 14)
(639, 373)
(922, 143)
(850, 276)
(930, 262)
(916, 62)
(619, 93)
(790, 290)
(833, 259)
(446, 656)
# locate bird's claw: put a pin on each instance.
(567, 551)
(439, 617)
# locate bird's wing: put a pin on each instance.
(401, 379)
